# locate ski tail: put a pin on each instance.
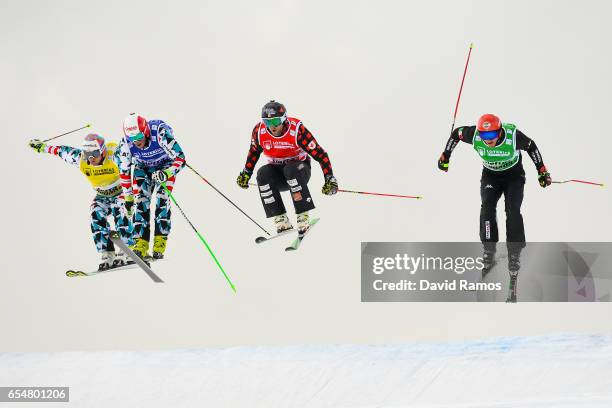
(298, 241)
(114, 236)
(262, 239)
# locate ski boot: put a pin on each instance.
(514, 262)
(282, 223)
(303, 222)
(488, 260)
(121, 259)
(159, 246)
(106, 260)
(141, 248)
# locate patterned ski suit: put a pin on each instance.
(108, 199)
(137, 167)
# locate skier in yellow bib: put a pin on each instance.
(98, 161)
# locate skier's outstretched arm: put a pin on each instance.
(253, 155)
(464, 134)
(70, 155)
(525, 143)
(309, 144)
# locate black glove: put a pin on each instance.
(443, 162)
(544, 177)
(331, 185)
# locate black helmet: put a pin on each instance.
(273, 114)
(273, 109)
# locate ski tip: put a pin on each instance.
(259, 240)
(72, 273)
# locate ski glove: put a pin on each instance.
(544, 177)
(243, 179)
(161, 176)
(443, 162)
(37, 145)
(129, 204)
(331, 185)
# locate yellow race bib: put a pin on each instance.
(105, 177)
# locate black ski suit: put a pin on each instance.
(493, 184)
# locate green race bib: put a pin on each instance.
(501, 157)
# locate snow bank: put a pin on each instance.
(550, 371)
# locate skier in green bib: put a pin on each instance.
(499, 146)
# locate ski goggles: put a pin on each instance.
(138, 136)
(489, 135)
(274, 122)
(92, 154)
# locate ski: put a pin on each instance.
(298, 241)
(114, 236)
(151, 259)
(512, 288)
(73, 273)
(261, 239)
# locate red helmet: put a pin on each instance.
(488, 126)
(135, 127)
(489, 122)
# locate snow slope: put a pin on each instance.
(550, 371)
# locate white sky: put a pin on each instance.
(376, 82)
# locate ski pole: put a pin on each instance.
(67, 133)
(368, 193)
(200, 236)
(461, 87)
(380, 194)
(224, 196)
(579, 181)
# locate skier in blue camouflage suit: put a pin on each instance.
(98, 161)
(150, 148)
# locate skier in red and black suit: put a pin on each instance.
(288, 145)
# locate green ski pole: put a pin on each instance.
(201, 238)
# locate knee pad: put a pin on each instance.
(291, 170)
(263, 173)
(488, 211)
(513, 210)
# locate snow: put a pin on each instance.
(518, 372)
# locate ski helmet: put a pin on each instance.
(136, 127)
(93, 146)
(273, 114)
(488, 126)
